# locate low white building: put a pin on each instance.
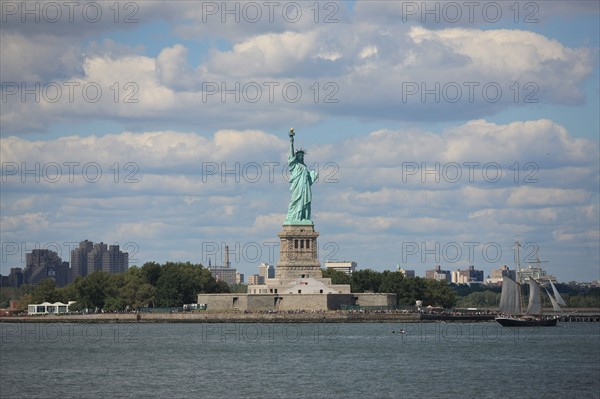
(345, 266)
(49, 308)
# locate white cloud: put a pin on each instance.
(540, 141)
(177, 201)
(171, 184)
(368, 51)
(265, 55)
(39, 58)
(527, 196)
(365, 73)
(440, 15)
(172, 67)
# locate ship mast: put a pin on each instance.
(517, 277)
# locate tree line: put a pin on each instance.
(152, 285)
(408, 290)
(175, 283)
(442, 294)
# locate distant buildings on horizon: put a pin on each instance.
(85, 259)
(225, 273)
(347, 267)
(265, 272)
(89, 257)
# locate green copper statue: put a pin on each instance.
(301, 178)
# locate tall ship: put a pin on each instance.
(511, 307)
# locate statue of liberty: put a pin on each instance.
(301, 178)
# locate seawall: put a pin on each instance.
(328, 317)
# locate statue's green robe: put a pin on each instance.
(301, 178)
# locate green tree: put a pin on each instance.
(410, 291)
(438, 293)
(366, 281)
(180, 283)
(151, 272)
(145, 296)
(24, 301)
(67, 293)
(112, 303)
(91, 290)
(4, 299)
(46, 291)
(222, 286)
(136, 291)
(480, 299)
(391, 282)
(337, 277)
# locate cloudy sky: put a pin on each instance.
(441, 131)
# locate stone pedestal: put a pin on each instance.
(298, 253)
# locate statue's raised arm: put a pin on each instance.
(301, 180)
(291, 134)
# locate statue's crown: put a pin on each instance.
(301, 150)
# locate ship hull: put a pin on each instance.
(519, 322)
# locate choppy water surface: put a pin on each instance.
(483, 360)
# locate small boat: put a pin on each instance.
(510, 304)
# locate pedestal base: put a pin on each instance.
(298, 253)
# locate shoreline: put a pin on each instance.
(327, 317)
(592, 315)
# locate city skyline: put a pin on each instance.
(439, 130)
(86, 258)
(89, 256)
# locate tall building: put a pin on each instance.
(115, 261)
(79, 258)
(256, 279)
(94, 257)
(107, 259)
(497, 274)
(266, 270)
(90, 257)
(14, 279)
(226, 273)
(44, 263)
(438, 274)
(239, 278)
(467, 276)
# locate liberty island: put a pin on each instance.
(298, 282)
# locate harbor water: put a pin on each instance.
(304, 360)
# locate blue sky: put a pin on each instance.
(391, 103)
